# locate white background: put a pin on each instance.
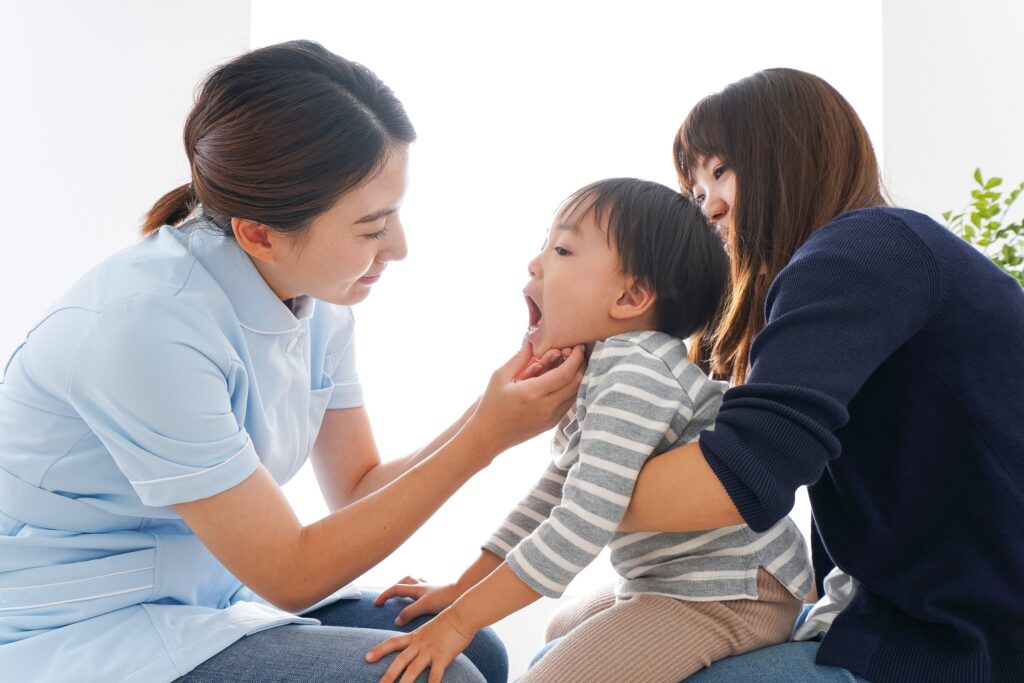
(517, 105)
(515, 110)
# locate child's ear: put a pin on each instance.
(633, 302)
(258, 240)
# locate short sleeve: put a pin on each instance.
(154, 379)
(340, 360)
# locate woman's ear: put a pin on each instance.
(634, 301)
(256, 239)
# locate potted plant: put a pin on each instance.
(984, 223)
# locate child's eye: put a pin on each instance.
(719, 171)
(562, 251)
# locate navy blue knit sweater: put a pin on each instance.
(890, 377)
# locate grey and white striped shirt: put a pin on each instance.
(640, 397)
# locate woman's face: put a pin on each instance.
(346, 248)
(714, 188)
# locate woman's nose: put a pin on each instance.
(715, 208)
(395, 248)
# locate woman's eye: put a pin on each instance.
(378, 235)
(719, 171)
(699, 199)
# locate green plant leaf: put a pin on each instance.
(994, 181)
(977, 176)
(976, 219)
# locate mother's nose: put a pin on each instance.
(715, 207)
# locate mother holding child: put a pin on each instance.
(149, 419)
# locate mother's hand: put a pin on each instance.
(525, 397)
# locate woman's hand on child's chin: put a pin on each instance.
(513, 410)
(551, 359)
(435, 645)
(429, 598)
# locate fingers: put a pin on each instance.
(436, 674)
(406, 657)
(389, 646)
(566, 375)
(534, 369)
(518, 363)
(411, 612)
(406, 588)
(414, 669)
(552, 358)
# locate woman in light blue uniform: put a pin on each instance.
(150, 417)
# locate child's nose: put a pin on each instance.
(533, 267)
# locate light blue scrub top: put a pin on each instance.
(166, 374)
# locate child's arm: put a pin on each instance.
(623, 426)
(520, 523)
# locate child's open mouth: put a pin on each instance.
(535, 314)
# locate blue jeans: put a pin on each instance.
(785, 663)
(336, 650)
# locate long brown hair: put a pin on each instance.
(801, 157)
(279, 134)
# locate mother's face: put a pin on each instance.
(714, 188)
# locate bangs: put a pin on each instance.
(701, 136)
(600, 200)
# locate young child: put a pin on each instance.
(629, 268)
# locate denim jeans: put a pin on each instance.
(336, 650)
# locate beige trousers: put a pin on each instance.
(652, 638)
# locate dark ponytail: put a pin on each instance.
(279, 134)
(171, 209)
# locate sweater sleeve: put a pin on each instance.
(633, 407)
(850, 297)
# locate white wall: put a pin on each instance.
(516, 108)
(94, 98)
(953, 98)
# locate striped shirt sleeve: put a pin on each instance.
(632, 399)
(529, 513)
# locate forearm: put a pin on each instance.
(478, 571)
(500, 594)
(386, 472)
(678, 491)
(344, 545)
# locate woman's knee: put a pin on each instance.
(461, 670)
(488, 654)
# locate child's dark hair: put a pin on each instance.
(666, 243)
